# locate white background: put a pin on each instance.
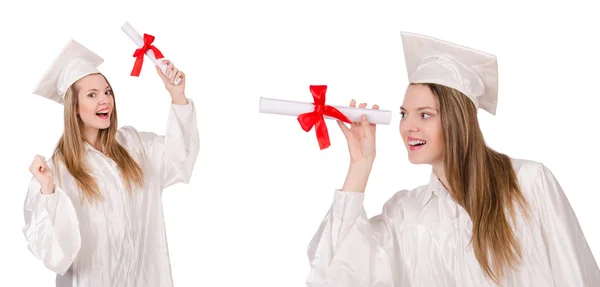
(261, 185)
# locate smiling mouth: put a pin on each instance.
(416, 143)
(102, 115)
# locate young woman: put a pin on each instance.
(93, 212)
(484, 219)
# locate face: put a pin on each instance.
(95, 102)
(421, 126)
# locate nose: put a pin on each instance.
(104, 99)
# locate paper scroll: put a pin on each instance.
(294, 108)
(139, 42)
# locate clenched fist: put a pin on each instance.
(43, 174)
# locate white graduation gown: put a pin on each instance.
(120, 241)
(421, 238)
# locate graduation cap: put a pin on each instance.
(472, 72)
(73, 63)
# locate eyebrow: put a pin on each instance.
(96, 89)
(421, 108)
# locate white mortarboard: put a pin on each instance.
(472, 72)
(73, 63)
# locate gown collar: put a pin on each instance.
(435, 187)
(89, 147)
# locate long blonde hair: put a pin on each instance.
(482, 181)
(70, 150)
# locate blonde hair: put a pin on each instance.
(482, 181)
(70, 150)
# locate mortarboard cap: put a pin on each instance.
(73, 63)
(472, 72)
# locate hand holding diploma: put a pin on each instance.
(361, 138)
(361, 146)
(168, 77)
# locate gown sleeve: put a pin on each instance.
(352, 250)
(571, 259)
(51, 227)
(174, 154)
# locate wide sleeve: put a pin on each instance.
(51, 227)
(571, 259)
(352, 250)
(172, 155)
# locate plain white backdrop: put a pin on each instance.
(261, 185)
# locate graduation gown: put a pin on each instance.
(121, 240)
(421, 238)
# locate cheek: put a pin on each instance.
(438, 135)
(85, 108)
(433, 132)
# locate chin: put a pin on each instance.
(417, 160)
(102, 126)
(413, 158)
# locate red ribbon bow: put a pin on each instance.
(316, 119)
(139, 54)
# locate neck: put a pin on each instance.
(441, 174)
(90, 135)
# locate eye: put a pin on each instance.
(402, 115)
(92, 95)
(108, 92)
(426, 116)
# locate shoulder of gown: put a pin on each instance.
(526, 167)
(128, 136)
(531, 175)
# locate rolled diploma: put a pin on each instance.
(293, 108)
(139, 41)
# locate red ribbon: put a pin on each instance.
(316, 119)
(139, 54)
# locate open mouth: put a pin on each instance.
(416, 144)
(102, 115)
